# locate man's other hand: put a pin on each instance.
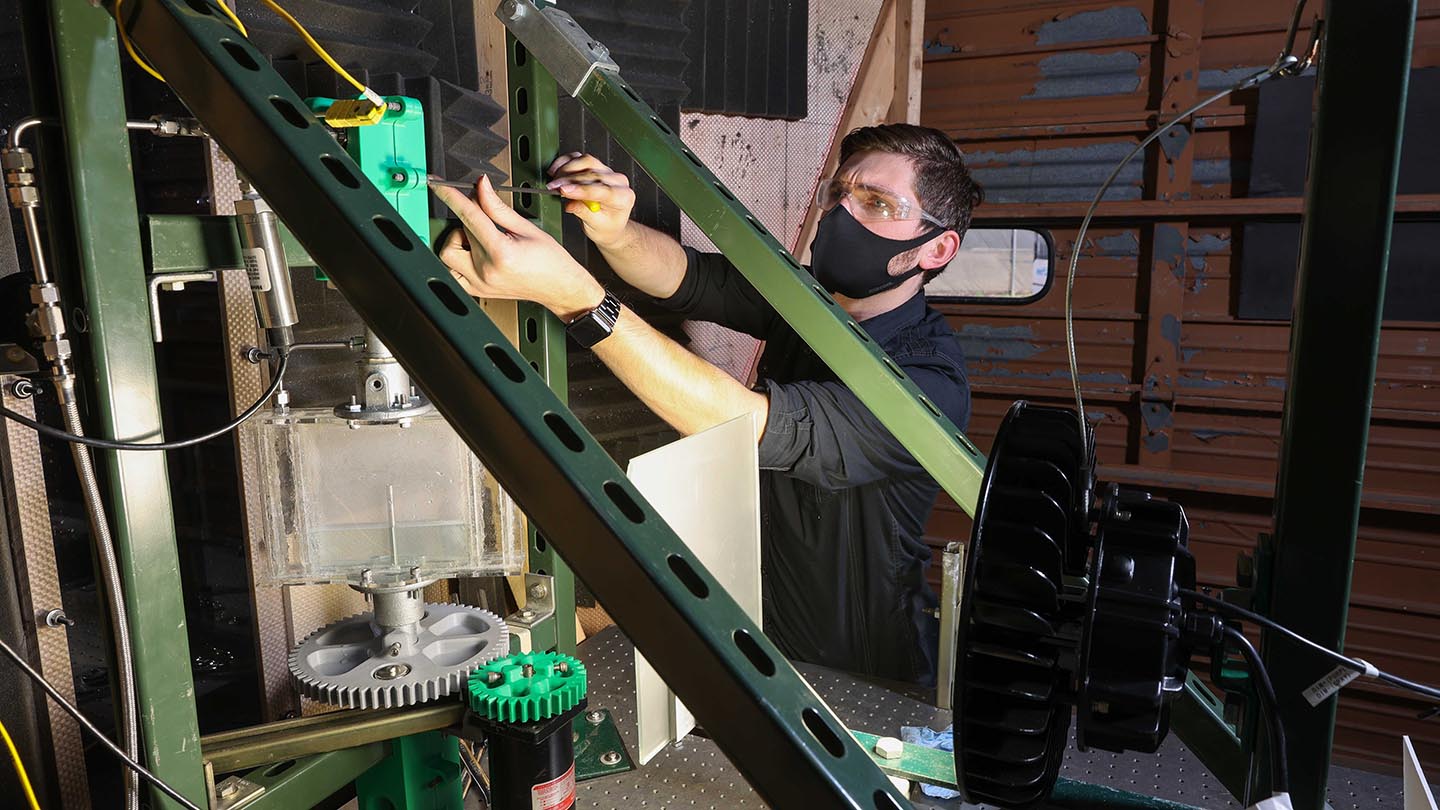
(584, 179)
(501, 254)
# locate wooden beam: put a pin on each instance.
(869, 103)
(909, 60)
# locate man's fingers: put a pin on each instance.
(501, 214)
(580, 164)
(471, 215)
(561, 161)
(609, 196)
(455, 240)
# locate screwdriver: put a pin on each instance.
(435, 180)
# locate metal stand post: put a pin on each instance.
(1334, 339)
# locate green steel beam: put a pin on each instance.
(421, 773)
(1334, 340)
(1198, 719)
(267, 744)
(124, 397)
(306, 782)
(188, 244)
(954, 461)
(731, 676)
(535, 139)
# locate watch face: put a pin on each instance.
(595, 325)
(587, 331)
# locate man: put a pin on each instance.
(843, 504)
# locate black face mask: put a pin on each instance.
(847, 258)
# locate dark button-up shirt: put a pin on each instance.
(843, 503)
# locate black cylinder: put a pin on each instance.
(532, 765)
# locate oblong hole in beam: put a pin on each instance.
(689, 576)
(626, 504)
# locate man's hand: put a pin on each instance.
(583, 179)
(501, 254)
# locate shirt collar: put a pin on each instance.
(886, 325)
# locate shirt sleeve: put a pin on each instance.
(821, 433)
(713, 290)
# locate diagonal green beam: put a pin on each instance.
(734, 679)
(949, 456)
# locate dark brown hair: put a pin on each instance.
(943, 184)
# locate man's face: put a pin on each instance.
(896, 174)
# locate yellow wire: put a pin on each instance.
(315, 46)
(20, 769)
(130, 49)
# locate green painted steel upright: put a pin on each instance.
(1334, 340)
(124, 395)
(534, 143)
(728, 673)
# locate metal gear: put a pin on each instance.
(358, 664)
(528, 687)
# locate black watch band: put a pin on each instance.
(597, 324)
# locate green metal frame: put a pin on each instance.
(598, 522)
(736, 681)
(534, 138)
(1334, 341)
(103, 249)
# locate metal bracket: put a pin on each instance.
(530, 622)
(570, 53)
(171, 282)
(235, 792)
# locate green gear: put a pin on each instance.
(502, 690)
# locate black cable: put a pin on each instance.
(108, 444)
(1279, 763)
(90, 727)
(1344, 660)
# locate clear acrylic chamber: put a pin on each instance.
(340, 500)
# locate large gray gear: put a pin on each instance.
(357, 664)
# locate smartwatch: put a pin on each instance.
(597, 324)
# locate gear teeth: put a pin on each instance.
(405, 690)
(556, 685)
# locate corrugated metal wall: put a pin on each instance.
(1044, 97)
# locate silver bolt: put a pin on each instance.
(527, 614)
(367, 577)
(610, 758)
(228, 790)
(562, 668)
(394, 650)
(574, 736)
(596, 717)
(56, 617)
(22, 389)
(397, 176)
(527, 670)
(539, 591)
(493, 678)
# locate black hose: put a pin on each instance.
(1279, 762)
(108, 444)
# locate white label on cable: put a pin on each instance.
(557, 794)
(1329, 685)
(257, 267)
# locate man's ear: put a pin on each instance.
(939, 251)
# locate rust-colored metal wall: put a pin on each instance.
(1045, 97)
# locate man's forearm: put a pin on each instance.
(647, 259)
(690, 394)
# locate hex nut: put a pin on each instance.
(17, 159)
(889, 748)
(24, 196)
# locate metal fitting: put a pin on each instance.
(539, 591)
(55, 617)
(610, 758)
(22, 389)
(19, 159)
(24, 196)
